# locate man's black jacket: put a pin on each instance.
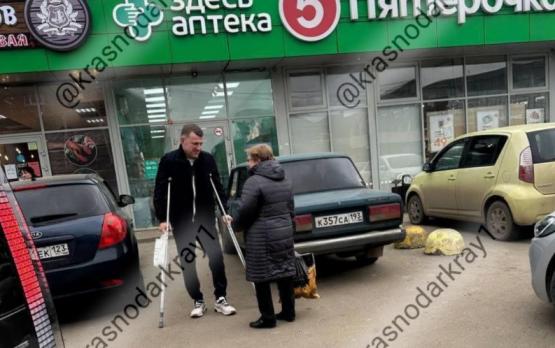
(175, 164)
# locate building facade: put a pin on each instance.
(388, 83)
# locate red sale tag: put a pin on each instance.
(310, 20)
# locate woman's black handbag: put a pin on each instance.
(300, 279)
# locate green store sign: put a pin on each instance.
(307, 20)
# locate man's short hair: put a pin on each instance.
(191, 128)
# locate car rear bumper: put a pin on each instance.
(540, 253)
(352, 242)
(531, 206)
(116, 263)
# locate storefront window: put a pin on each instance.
(442, 79)
(528, 72)
(486, 113)
(398, 83)
(337, 76)
(141, 102)
(82, 152)
(249, 95)
(399, 142)
(305, 89)
(18, 110)
(443, 122)
(198, 98)
(350, 135)
(90, 112)
(143, 147)
(529, 108)
(486, 75)
(15, 157)
(310, 132)
(249, 132)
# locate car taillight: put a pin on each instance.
(29, 269)
(303, 223)
(526, 166)
(108, 283)
(384, 212)
(114, 230)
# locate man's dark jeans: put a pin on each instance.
(200, 238)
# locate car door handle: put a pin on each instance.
(452, 178)
(489, 176)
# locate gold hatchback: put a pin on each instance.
(502, 177)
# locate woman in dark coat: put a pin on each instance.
(265, 213)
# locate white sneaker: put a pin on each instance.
(221, 306)
(198, 310)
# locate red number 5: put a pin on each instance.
(310, 20)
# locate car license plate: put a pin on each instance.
(339, 219)
(53, 251)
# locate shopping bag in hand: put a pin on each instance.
(309, 289)
(160, 257)
(301, 276)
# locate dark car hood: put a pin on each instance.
(338, 199)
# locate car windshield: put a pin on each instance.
(404, 161)
(322, 175)
(65, 202)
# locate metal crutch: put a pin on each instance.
(166, 237)
(228, 225)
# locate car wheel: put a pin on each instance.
(365, 259)
(227, 243)
(499, 222)
(416, 210)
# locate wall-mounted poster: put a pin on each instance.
(487, 119)
(11, 171)
(36, 168)
(442, 130)
(80, 150)
(535, 116)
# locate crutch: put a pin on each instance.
(164, 239)
(228, 225)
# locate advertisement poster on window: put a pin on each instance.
(82, 152)
(11, 171)
(535, 116)
(487, 119)
(442, 130)
(36, 168)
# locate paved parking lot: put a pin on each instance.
(405, 299)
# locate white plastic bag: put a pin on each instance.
(160, 258)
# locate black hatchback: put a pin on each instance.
(83, 236)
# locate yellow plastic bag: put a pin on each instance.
(444, 241)
(414, 239)
(310, 290)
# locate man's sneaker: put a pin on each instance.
(198, 310)
(223, 307)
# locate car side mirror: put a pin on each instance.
(427, 167)
(125, 200)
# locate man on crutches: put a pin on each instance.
(192, 215)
